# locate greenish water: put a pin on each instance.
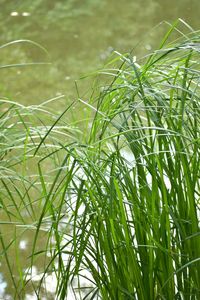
(79, 36)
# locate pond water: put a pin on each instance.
(78, 36)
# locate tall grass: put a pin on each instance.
(23, 129)
(122, 205)
(134, 201)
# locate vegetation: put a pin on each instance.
(119, 203)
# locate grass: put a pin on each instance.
(121, 208)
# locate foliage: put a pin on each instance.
(135, 220)
(121, 208)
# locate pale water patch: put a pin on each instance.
(3, 285)
(23, 244)
(50, 284)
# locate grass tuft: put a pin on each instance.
(120, 204)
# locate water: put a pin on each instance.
(79, 36)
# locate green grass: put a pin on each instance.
(121, 208)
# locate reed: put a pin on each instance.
(134, 202)
(121, 203)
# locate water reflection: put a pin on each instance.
(23, 244)
(3, 285)
(16, 14)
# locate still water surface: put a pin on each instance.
(79, 36)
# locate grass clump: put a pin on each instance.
(122, 204)
(134, 200)
(23, 131)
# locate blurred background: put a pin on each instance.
(79, 37)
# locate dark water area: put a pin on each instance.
(78, 37)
